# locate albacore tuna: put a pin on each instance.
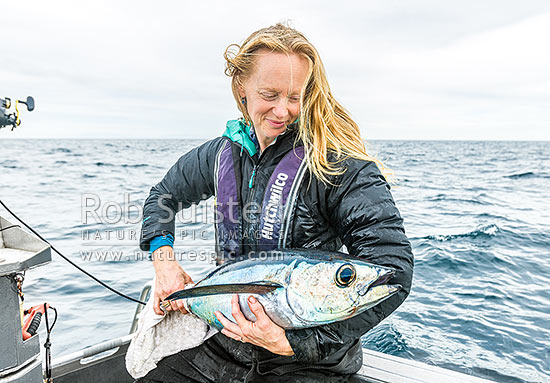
(297, 288)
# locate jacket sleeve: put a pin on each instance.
(371, 227)
(189, 180)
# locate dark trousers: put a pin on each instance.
(211, 362)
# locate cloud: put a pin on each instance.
(411, 70)
(493, 84)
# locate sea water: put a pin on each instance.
(477, 214)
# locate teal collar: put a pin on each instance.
(239, 132)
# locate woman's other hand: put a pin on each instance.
(170, 278)
(264, 332)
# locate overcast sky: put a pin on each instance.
(426, 69)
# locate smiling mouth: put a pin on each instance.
(276, 123)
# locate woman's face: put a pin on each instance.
(272, 93)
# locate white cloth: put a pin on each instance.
(158, 336)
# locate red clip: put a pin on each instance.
(32, 319)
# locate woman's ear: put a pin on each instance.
(242, 94)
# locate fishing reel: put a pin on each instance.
(7, 119)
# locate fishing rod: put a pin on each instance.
(13, 119)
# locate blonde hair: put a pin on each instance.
(324, 125)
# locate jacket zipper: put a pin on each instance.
(251, 181)
(254, 169)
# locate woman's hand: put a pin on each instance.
(170, 278)
(264, 332)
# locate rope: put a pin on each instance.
(48, 345)
(71, 262)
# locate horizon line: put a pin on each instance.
(209, 138)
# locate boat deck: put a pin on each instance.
(105, 363)
(379, 367)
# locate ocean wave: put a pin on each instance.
(486, 231)
(122, 166)
(134, 166)
(9, 164)
(476, 200)
(386, 338)
(528, 175)
(62, 150)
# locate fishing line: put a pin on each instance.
(68, 260)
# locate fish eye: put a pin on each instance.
(345, 275)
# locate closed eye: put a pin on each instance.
(294, 99)
(268, 96)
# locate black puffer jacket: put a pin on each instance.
(357, 211)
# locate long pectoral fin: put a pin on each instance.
(233, 288)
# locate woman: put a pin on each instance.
(293, 172)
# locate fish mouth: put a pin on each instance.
(381, 280)
(371, 294)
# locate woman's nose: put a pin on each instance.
(281, 108)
